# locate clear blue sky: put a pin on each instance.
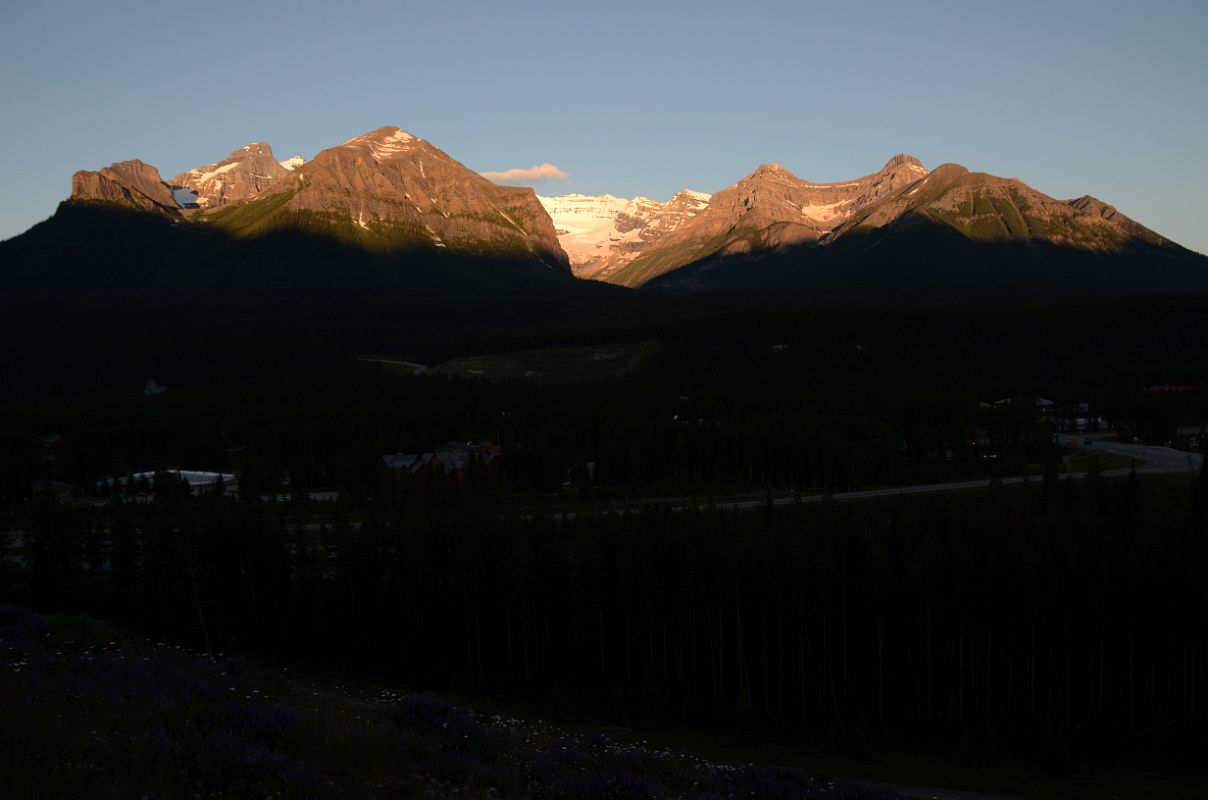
(1101, 98)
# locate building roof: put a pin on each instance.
(399, 461)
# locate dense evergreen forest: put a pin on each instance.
(1053, 618)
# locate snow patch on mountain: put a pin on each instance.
(825, 212)
(243, 174)
(201, 177)
(384, 143)
(600, 233)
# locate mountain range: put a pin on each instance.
(903, 225)
(390, 193)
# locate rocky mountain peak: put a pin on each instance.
(903, 160)
(1093, 205)
(384, 143)
(771, 169)
(132, 184)
(388, 189)
(244, 173)
(393, 132)
(690, 195)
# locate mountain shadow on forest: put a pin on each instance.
(98, 247)
(926, 255)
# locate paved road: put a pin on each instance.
(1154, 461)
(1157, 460)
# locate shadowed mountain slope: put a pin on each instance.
(94, 251)
(385, 210)
(907, 227)
(388, 208)
(389, 191)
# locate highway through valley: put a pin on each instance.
(1151, 460)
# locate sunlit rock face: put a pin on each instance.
(772, 210)
(245, 173)
(131, 184)
(390, 189)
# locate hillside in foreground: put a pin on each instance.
(87, 710)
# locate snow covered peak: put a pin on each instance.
(384, 143)
(579, 200)
(689, 194)
(601, 233)
(385, 134)
(244, 173)
(583, 222)
(293, 162)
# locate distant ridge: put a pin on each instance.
(388, 191)
(773, 229)
(384, 211)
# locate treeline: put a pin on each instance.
(736, 398)
(1057, 617)
(641, 436)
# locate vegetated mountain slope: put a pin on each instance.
(390, 191)
(245, 173)
(192, 724)
(601, 234)
(906, 227)
(987, 208)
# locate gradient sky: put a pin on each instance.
(1102, 98)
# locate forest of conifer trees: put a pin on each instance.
(1056, 617)
(1053, 619)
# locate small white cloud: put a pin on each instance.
(523, 177)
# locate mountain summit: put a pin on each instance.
(906, 226)
(385, 211)
(391, 190)
(768, 209)
(129, 184)
(245, 173)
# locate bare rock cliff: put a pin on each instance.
(132, 184)
(245, 173)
